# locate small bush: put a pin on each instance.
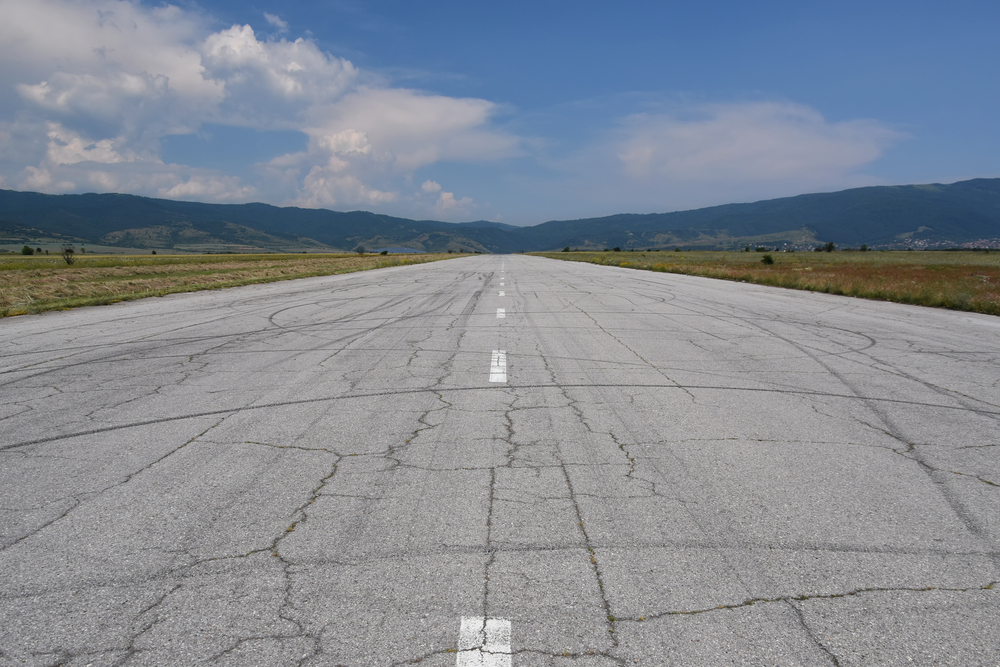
(384, 252)
(767, 259)
(27, 251)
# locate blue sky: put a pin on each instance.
(518, 111)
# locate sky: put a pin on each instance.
(515, 111)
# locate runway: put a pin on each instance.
(500, 460)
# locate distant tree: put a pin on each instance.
(154, 252)
(566, 249)
(761, 248)
(863, 248)
(27, 251)
(38, 250)
(767, 259)
(360, 250)
(384, 252)
(67, 254)
(677, 248)
(617, 249)
(829, 247)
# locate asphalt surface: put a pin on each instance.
(378, 469)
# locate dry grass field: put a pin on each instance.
(34, 284)
(945, 279)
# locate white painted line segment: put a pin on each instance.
(501, 313)
(501, 293)
(498, 366)
(484, 642)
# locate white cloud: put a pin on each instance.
(416, 128)
(208, 187)
(690, 156)
(272, 83)
(431, 187)
(325, 187)
(152, 179)
(67, 147)
(448, 206)
(276, 21)
(91, 83)
(761, 141)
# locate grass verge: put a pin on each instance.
(967, 281)
(37, 284)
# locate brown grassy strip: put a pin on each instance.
(34, 285)
(967, 281)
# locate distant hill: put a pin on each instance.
(886, 215)
(905, 215)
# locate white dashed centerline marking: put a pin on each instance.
(501, 313)
(484, 642)
(498, 366)
(501, 293)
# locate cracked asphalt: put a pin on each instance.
(676, 471)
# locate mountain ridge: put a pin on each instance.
(921, 215)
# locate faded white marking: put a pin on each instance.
(484, 642)
(502, 294)
(501, 313)
(498, 366)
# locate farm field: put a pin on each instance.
(960, 280)
(30, 284)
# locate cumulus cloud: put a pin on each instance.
(448, 206)
(90, 83)
(67, 147)
(271, 84)
(430, 187)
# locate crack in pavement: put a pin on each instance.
(788, 599)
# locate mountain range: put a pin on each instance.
(935, 215)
